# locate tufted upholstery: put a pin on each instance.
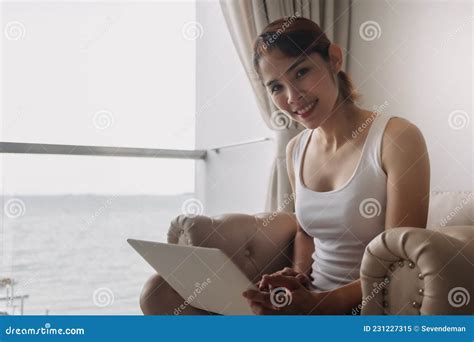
(420, 268)
(412, 271)
(404, 271)
(258, 244)
(254, 243)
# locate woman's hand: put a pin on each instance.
(287, 296)
(289, 272)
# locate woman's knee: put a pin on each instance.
(159, 298)
(154, 296)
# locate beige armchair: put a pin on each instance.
(404, 271)
(258, 244)
(410, 271)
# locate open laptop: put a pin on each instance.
(205, 277)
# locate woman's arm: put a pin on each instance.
(406, 162)
(303, 246)
(339, 301)
(303, 250)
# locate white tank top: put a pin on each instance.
(343, 221)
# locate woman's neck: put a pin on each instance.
(338, 128)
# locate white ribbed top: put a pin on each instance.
(343, 221)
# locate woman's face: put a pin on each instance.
(303, 87)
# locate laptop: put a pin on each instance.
(205, 277)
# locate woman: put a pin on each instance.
(347, 162)
(354, 172)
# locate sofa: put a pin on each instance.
(404, 271)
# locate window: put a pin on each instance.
(98, 74)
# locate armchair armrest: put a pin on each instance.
(256, 244)
(413, 271)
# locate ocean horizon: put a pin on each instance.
(69, 253)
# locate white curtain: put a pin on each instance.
(245, 20)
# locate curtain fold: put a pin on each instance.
(245, 19)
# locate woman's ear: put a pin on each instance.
(335, 57)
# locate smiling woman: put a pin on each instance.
(299, 38)
(348, 187)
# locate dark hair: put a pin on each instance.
(293, 36)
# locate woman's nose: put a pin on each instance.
(294, 96)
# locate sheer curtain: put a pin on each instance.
(245, 20)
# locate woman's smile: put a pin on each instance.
(305, 111)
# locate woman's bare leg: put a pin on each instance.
(159, 298)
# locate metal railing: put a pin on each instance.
(109, 151)
(218, 149)
(81, 150)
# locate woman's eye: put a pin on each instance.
(275, 88)
(301, 72)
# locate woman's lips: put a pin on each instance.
(307, 110)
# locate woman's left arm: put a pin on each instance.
(405, 161)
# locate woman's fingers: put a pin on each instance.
(263, 284)
(303, 279)
(287, 271)
(258, 298)
(291, 283)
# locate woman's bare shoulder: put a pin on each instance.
(399, 130)
(402, 140)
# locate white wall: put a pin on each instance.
(422, 66)
(236, 179)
